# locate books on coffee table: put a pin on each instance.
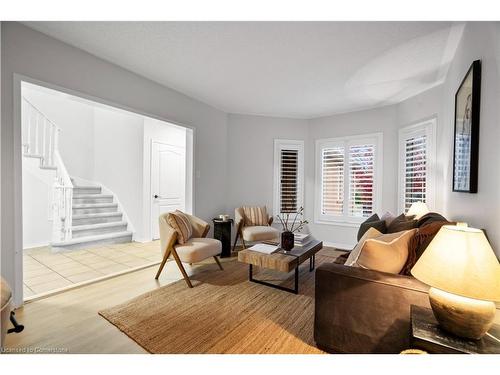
(302, 238)
(264, 248)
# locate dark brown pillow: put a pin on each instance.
(430, 217)
(402, 223)
(372, 222)
(341, 259)
(420, 241)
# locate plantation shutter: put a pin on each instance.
(289, 182)
(415, 170)
(361, 180)
(332, 168)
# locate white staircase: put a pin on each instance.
(82, 215)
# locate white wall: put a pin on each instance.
(482, 210)
(355, 123)
(118, 159)
(250, 162)
(37, 198)
(33, 54)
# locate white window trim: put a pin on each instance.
(377, 179)
(290, 144)
(427, 127)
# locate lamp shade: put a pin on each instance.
(460, 260)
(418, 209)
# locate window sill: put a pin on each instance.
(338, 223)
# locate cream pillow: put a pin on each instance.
(386, 253)
(353, 255)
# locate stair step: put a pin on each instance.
(94, 208)
(100, 228)
(50, 167)
(106, 217)
(28, 155)
(82, 242)
(92, 198)
(85, 190)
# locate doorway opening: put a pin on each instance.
(95, 178)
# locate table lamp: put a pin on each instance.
(464, 275)
(417, 209)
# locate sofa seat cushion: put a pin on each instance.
(198, 249)
(6, 293)
(260, 233)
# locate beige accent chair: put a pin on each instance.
(253, 233)
(195, 250)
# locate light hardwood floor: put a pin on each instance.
(68, 322)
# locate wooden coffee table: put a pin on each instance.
(283, 261)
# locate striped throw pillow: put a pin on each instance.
(255, 216)
(181, 224)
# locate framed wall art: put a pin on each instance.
(466, 134)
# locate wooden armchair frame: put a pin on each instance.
(168, 240)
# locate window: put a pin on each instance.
(288, 175)
(348, 178)
(416, 165)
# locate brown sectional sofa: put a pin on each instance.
(364, 311)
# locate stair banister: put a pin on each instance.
(62, 205)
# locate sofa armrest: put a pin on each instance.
(364, 311)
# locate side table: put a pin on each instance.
(427, 335)
(222, 232)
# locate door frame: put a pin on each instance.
(189, 186)
(17, 287)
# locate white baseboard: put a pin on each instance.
(340, 246)
(32, 246)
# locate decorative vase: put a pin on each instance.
(287, 240)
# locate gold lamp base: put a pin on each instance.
(465, 317)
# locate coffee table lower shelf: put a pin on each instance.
(295, 290)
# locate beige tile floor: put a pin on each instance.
(45, 270)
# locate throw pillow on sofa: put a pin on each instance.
(386, 253)
(372, 222)
(401, 223)
(353, 255)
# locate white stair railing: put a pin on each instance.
(41, 140)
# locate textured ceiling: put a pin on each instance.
(289, 69)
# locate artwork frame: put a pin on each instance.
(466, 131)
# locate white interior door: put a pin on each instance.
(168, 181)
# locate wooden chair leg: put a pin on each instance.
(165, 258)
(218, 263)
(181, 267)
(236, 240)
(244, 244)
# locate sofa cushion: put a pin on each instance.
(419, 242)
(353, 256)
(386, 253)
(181, 224)
(198, 249)
(388, 217)
(402, 223)
(255, 216)
(372, 222)
(260, 233)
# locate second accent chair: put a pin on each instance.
(254, 224)
(183, 237)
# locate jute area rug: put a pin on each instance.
(224, 313)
